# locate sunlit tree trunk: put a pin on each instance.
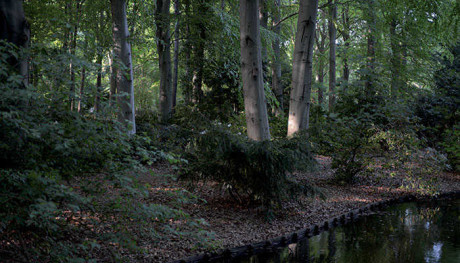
(122, 65)
(299, 106)
(252, 73)
(163, 43)
(332, 57)
(97, 104)
(276, 63)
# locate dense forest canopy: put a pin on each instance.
(241, 92)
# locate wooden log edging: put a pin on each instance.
(282, 241)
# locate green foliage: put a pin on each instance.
(258, 169)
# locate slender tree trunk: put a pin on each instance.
(198, 49)
(82, 88)
(15, 29)
(73, 50)
(252, 73)
(176, 51)
(320, 40)
(320, 81)
(263, 21)
(346, 40)
(166, 90)
(370, 48)
(123, 74)
(276, 64)
(332, 57)
(299, 107)
(113, 79)
(396, 60)
(187, 86)
(97, 104)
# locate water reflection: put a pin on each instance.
(411, 232)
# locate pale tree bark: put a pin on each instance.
(176, 52)
(15, 29)
(396, 60)
(123, 70)
(276, 63)
(187, 86)
(332, 51)
(299, 107)
(255, 103)
(82, 88)
(162, 22)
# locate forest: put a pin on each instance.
(155, 130)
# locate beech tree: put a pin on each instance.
(332, 48)
(276, 63)
(122, 70)
(164, 62)
(252, 72)
(299, 106)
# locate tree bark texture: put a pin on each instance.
(163, 43)
(123, 71)
(370, 47)
(255, 103)
(332, 53)
(320, 39)
(276, 63)
(299, 107)
(15, 29)
(176, 51)
(346, 40)
(263, 21)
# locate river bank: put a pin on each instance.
(234, 224)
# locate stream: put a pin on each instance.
(408, 232)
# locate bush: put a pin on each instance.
(258, 169)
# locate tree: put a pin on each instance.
(252, 72)
(276, 63)
(164, 62)
(332, 48)
(15, 29)
(123, 71)
(299, 107)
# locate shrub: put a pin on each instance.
(258, 169)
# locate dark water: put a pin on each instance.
(410, 232)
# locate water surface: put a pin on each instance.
(409, 232)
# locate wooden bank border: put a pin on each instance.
(231, 254)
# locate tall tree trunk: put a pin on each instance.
(97, 104)
(252, 73)
(166, 92)
(176, 52)
(320, 81)
(346, 40)
(263, 21)
(320, 39)
(73, 50)
(123, 66)
(332, 57)
(187, 86)
(82, 88)
(198, 49)
(276, 63)
(299, 107)
(396, 60)
(370, 48)
(15, 29)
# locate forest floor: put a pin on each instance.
(235, 223)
